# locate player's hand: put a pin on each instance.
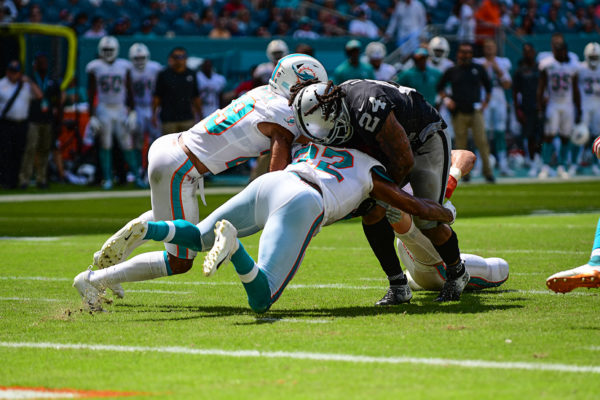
(450, 207)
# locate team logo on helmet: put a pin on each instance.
(304, 72)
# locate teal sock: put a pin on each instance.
(183, 233)
(131, 160)
(595, 258)
(574, 153)
(499, 141)
(105, 156)
(563, 154)
(257, 287)
(547, 150)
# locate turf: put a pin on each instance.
(328, 308)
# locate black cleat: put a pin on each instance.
(453, 288)
(396, 295)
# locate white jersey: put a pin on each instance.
(230, 136)
(210, 91)
(110, 80)
(143, 81)
(560, 79)
(385, 72)
(442, 66)
(344, 176)
(589, 86)
(497, 96)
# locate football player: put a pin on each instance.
(439, 50)
(322, 185)
(588, 275)
(109, 78)
(589, 85)
(495, 114)
(257, 122)
(425, 269)
(406, 134)
(376, 52)
(561, 106)
(143, 78)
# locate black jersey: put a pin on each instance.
(370, 102)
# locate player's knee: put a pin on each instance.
(180, 265)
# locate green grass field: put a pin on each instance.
(192, 337)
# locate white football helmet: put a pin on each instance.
(108, 48)
(592, 54)
(375, 50)
(438, 49)
(139, 55)
(292, 69)
(276, 49)
(333, 130)
(580, 135)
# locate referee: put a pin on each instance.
(466, 80)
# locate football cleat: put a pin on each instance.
(562, 172)
(396, 295)
(453, 288)
(226, 243)
(120, 245)
(586, 276)
(90, 294)
(117, 289)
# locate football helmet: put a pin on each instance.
(276, 49)
(580, 135)
(592, 54)
(108, 48)
(139, 55)
(375, 51)
(293, 69)
(438, 49)
(333, 130)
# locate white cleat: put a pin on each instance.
(121, 243)
(544, 172)
(585, 276)
(226, 243)
(562, 172)
(117, 289)
(90, 294)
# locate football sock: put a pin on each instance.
(595, 257)
(547, 151)
(420, 246)
(179, 232)
(105, 156)
(450, 253)
(381, 239)
(254, 280)
(563, 154)
(132, 161)
(140, 268)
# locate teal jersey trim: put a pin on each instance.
(381, 172)
(166, 257)
(176, 201)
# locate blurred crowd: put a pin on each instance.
(310, 19)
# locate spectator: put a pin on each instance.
(45, 117)
(361, 26)
(177, 95)
(305, 30)
(35, 14)
(220, 30)
(97, 29)
(210, 85)
(80, 23)
(353, 68)
(207, 21)
(525, 83)
(376, 52)
(122, 27)
(488, 17)
(16, 93)
(406, 23)
(466, 28)
(421, 76)
(146, 29)
(186, 25)
(467, 80)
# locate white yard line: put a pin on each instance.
(31, 238)
(292, 286)
(28, 299)
(346, 358)
(157, 291)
